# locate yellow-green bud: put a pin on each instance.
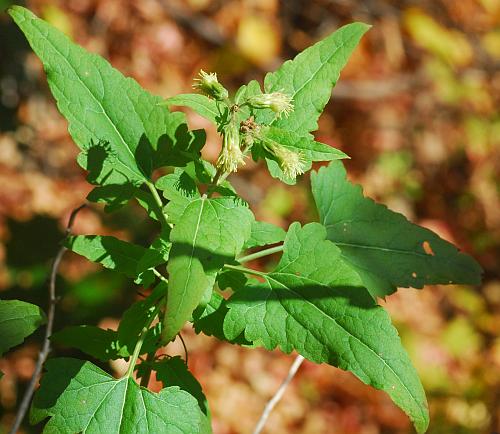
(208, 85)
(279, 102)
(231, 156)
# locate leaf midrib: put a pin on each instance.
(88, 90)
(309, 280)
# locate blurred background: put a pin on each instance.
(417, 109)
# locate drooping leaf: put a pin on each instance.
(120, 127)
(78, 396)
(95, 341)
(264, 233)
(209, 233)
(18, 320)
(310, 77)
(174, 372)
(384, 248)
(308, 149)
(130, 259)
(314, 303)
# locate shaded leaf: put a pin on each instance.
(209, 233)
(314, 303)
(384, 248)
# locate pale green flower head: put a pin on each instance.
(208, 85)
(279, 102)
(231, 155)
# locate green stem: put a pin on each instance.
(260, 254)
(159, 275)
(245, 270)
(138, 345)
(147, 374)
(158, 201)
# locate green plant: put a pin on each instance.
(320, 300)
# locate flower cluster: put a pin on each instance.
(208, 85)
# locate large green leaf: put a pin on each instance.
(309, 78)
(18, 320)
(384, 248)
(209, 233)
(315, 303)
(130, 259)
(123, 132)
(201, 104)
(78, 397)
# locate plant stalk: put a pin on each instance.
(260, 254)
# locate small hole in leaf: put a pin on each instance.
(414, 275)
(427, 248)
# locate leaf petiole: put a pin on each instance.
(245, 270)
(158, 201)
(260, 254)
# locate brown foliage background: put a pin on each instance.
(417, 109)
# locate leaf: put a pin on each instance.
(209, 233)
(209, 320)
(201, 104)
(78, 396)
(130, 259)
(384, 248)
(264, 233)
(314, 303)
(119, 126)
(180, 189)
(97, 342)
(308, 149)
(310, 77)
(174, 372)
(18, 320)
(135, 318)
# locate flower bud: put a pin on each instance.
(291, 163)
(231, 156)
(279, 102)
(208, 85)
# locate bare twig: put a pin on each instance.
(278, 395)
(44, 352)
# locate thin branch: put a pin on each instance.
(278, 395)
(185, 348)
(44, 352)
(245, 270)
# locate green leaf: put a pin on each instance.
(119, 126)
(78, 396)
(384, 248)
(18, 320)
(310, 77)
(209, 233)
(315, 303)
(180, 189)
(174, 372)
(130, 259)
(135, 318)
(209, 320)
(264, 233)
(201, 104)
(97, 342)
(308, 149)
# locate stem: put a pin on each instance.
(138, 345)
(44, 352)
(145, 378)
(278, 395)
(260, 254)
(159, 275)
(158, 201)
(245, 270)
